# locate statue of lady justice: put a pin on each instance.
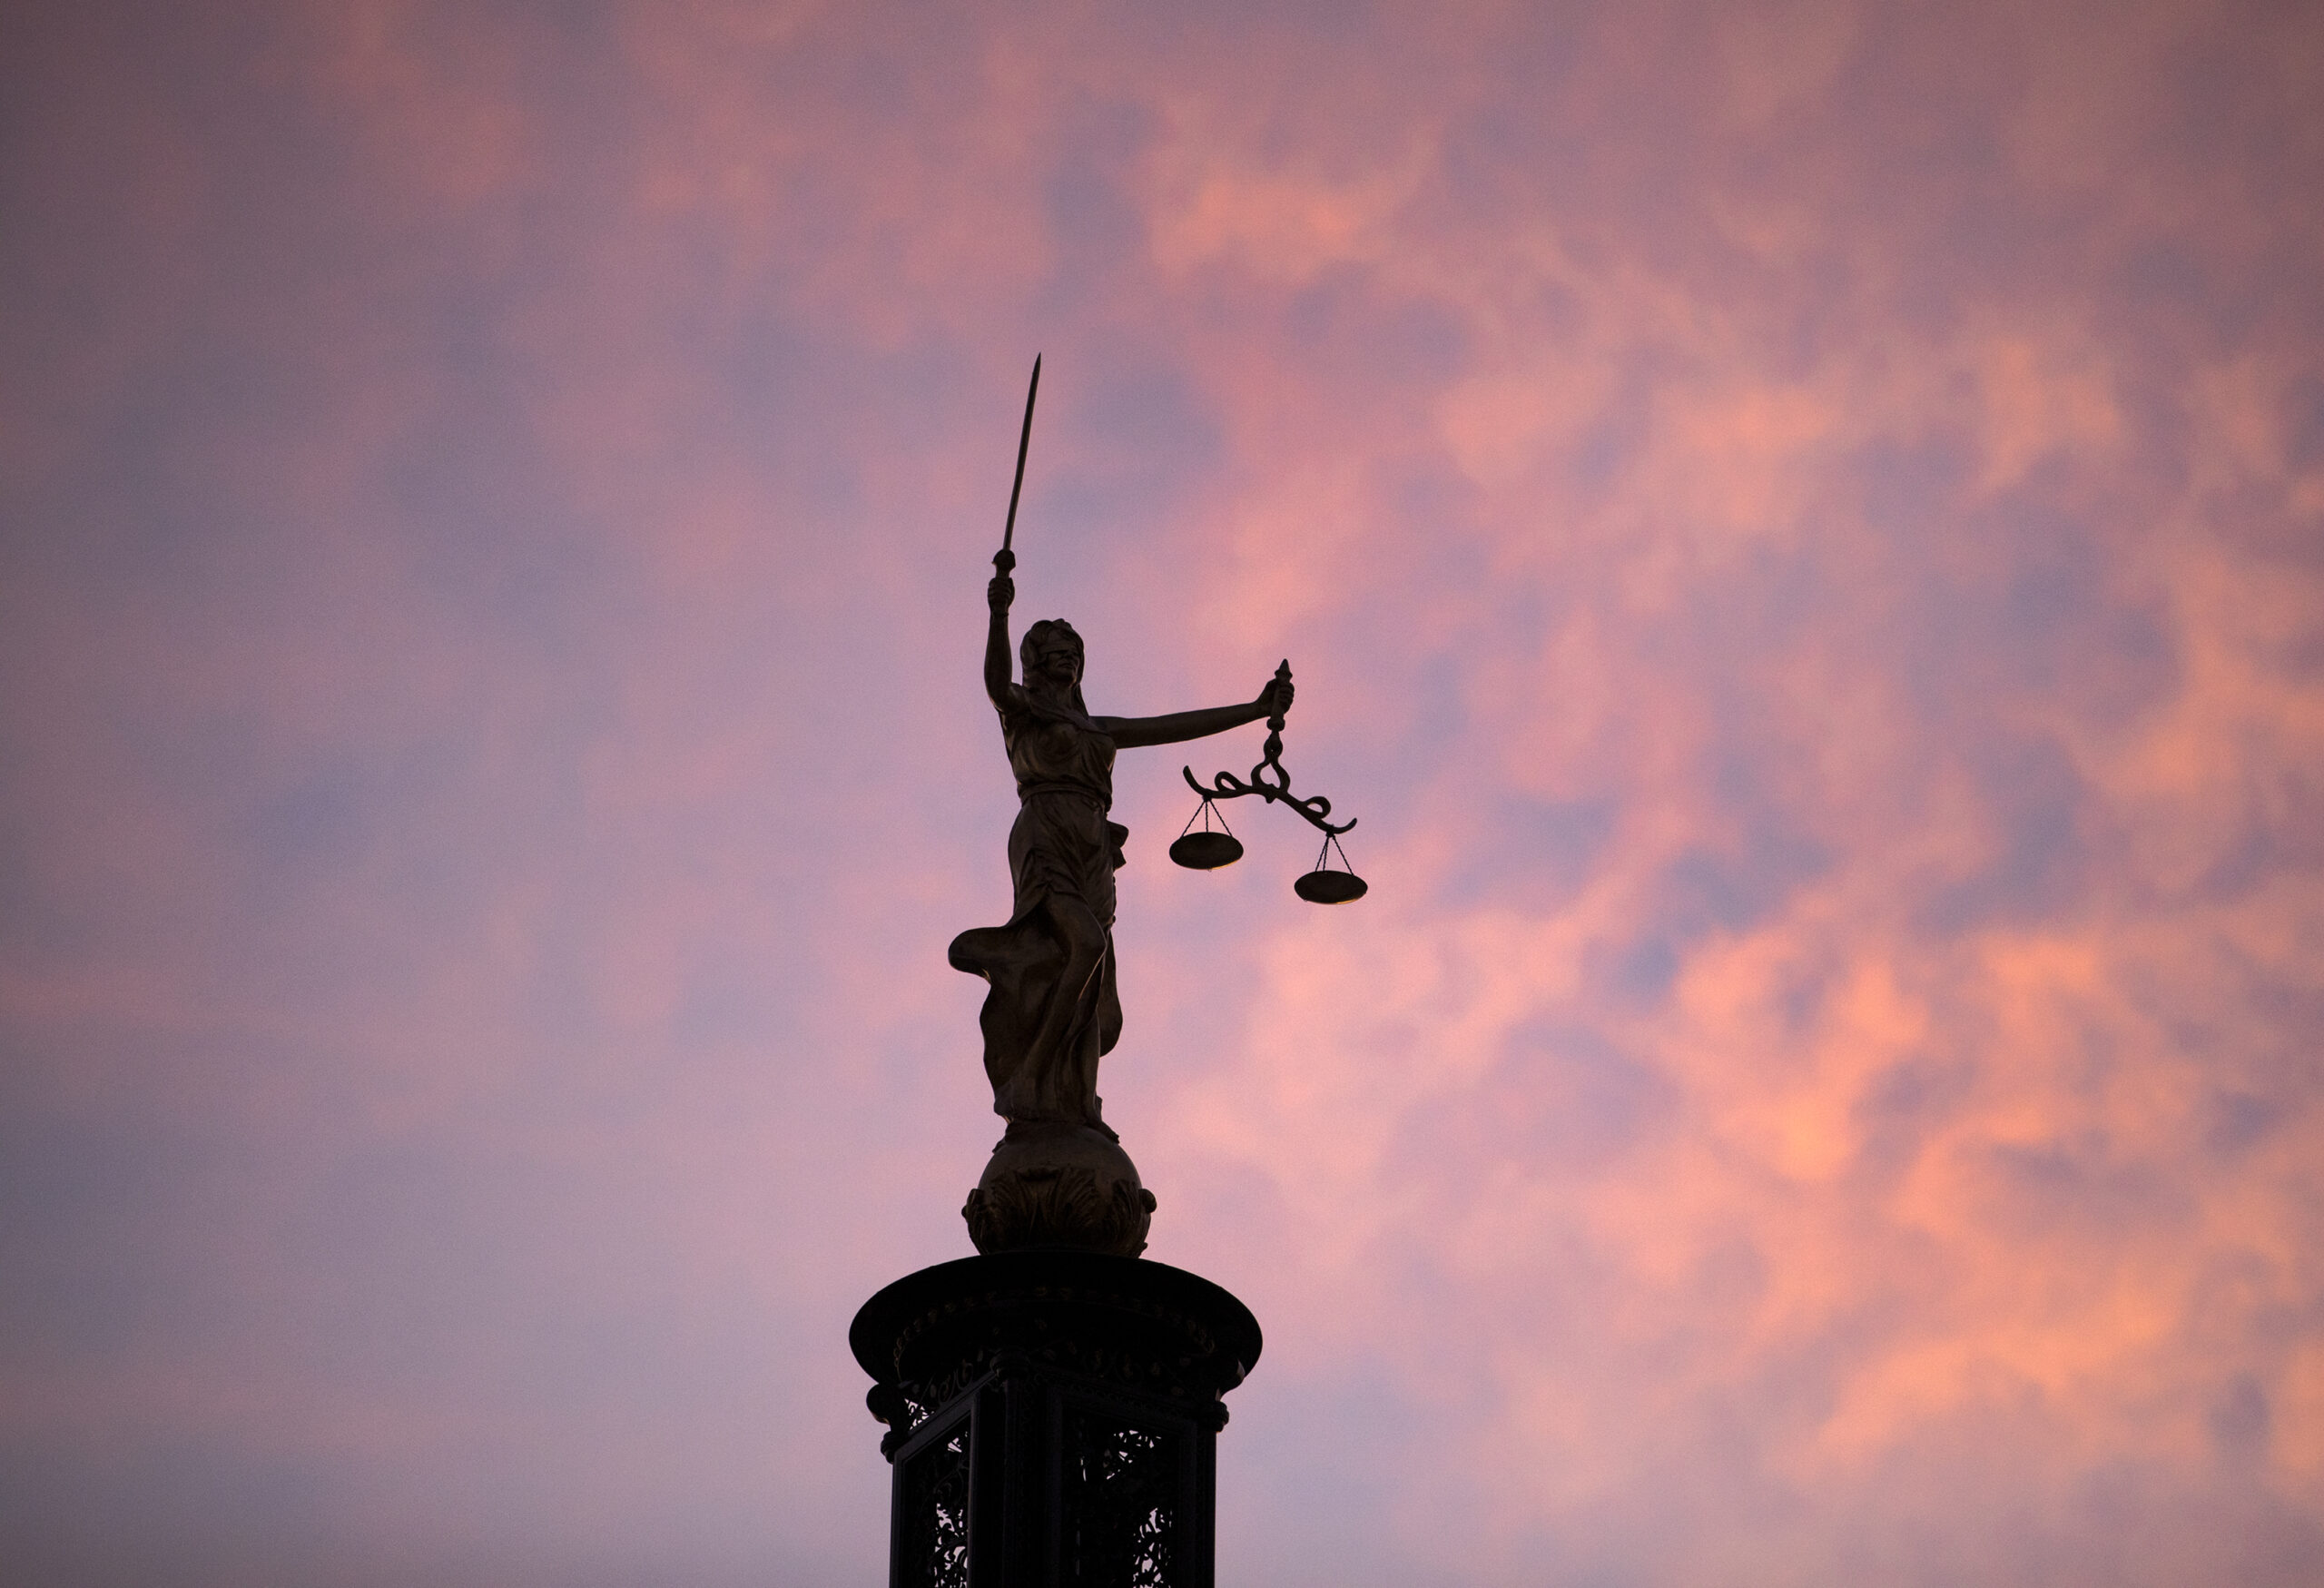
(1058, 1176)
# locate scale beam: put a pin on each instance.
(1315, 808)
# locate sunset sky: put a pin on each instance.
(1800, 533)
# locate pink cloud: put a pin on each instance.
(1795, 531)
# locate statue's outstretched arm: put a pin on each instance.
(1127, 732)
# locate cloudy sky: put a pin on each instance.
(1800, 531)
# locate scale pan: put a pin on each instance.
(1207, 851)
(1329, 887)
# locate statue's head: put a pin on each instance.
(1051, 653)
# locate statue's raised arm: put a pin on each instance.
(999, 592)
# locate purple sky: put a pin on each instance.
(1800, 530)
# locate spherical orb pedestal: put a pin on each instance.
(1058, 1187)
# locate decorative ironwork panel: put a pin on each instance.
(1122, 1499)
(1061, 1407)
(936, 1512)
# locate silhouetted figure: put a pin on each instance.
(1054, 1008)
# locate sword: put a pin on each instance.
(1005, 560)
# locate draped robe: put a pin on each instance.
(1062, 851)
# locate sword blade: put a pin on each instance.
(1024, 440)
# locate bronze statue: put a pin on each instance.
(1059, 1177)
(1054, 1010)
